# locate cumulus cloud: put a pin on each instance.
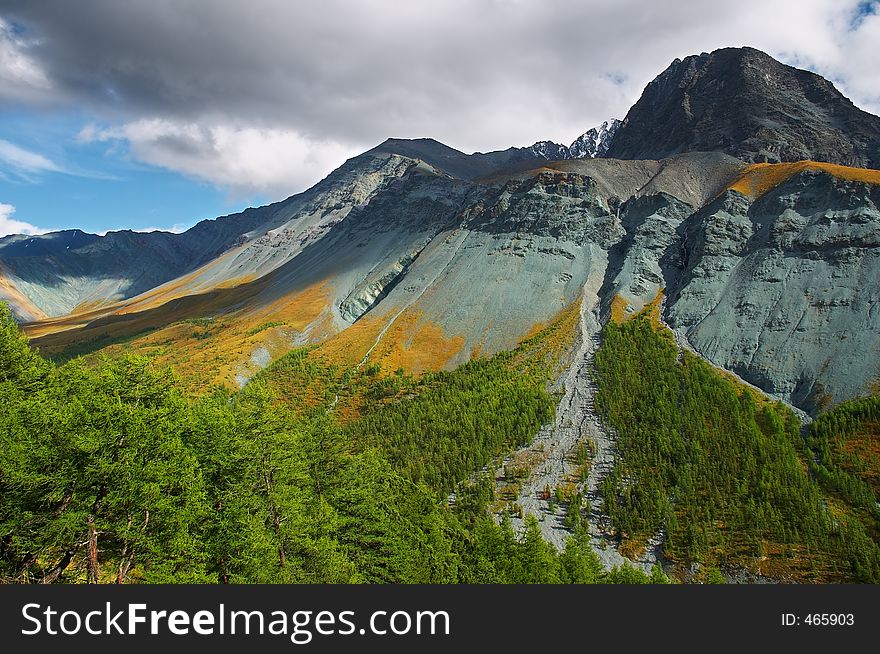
(8, 225)
(271, 94)
(243, 159)
(21, 77)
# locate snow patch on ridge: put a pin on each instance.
(589, 145)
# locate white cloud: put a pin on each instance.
(8, 225)
(19, 164)
(476, 75)
(270, 95)
(20, 74)
(244, 160)
(176, 228)
(23, 161)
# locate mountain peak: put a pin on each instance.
(591, 144)
(746, 103)
(595, 142)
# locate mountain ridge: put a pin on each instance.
(414, 247)
(589, 145)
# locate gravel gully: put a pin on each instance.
(576, 422)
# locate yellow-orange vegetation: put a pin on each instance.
(416, 345)
(864, 446)
(17, 296)
(632, 548)
(536, 329)
(652, 309)
(757, 179)
(299, 310)
(618, 309)
(411, 343)
(545, 348)
(213, 352)
(347, 348)
(68, 322)
(90, 305)
(225, 351)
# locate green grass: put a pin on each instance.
(264, 326)
(91, 346)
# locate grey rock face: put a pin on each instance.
(784, 291)
(368, 294)
(744, 102)
(566, 206)
(651, 225)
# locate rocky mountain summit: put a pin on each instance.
(595, 142)
(592, 143)
(744, 102)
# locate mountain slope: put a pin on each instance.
(61, 272)
(417, 269)
(70, 271)
(394, 275)
(744, 102)
(783, 289)
(414, 255)
(73, 272)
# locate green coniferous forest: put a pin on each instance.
(724, 473)
(459, 421)
(844, 450)
(109, 474)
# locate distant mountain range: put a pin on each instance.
(418, 255)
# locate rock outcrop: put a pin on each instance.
(784, 290)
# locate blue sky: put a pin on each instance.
(98, 186)
(138, 115)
